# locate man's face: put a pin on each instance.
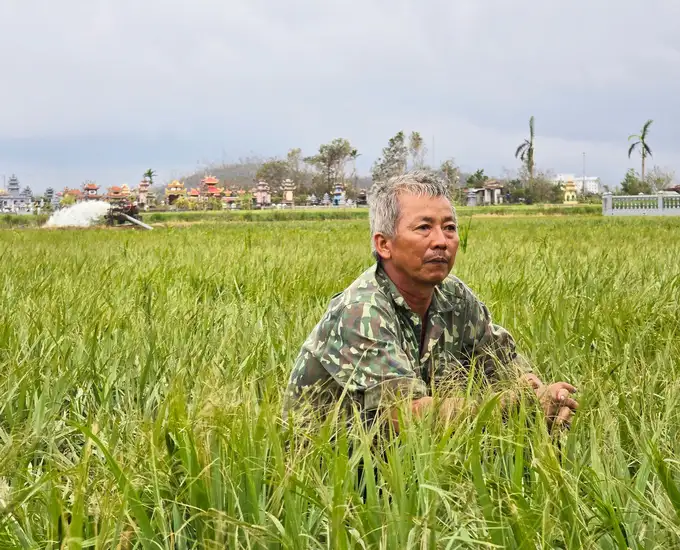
(426, 239)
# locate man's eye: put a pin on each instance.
(450, 228)
(423, 227)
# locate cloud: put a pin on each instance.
(97, 89)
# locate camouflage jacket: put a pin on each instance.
(367, 350)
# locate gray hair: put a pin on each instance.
(383, 200)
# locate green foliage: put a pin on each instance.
(525, 151)
(274, 172)
(141, 376)
(182, 203)
(149, 175)
(478, 179)
(451, 174)
(67, 200)
(394, 159)
(245, 201)
(330, 161)
(642, 145)
(536, 190)
(633, 185)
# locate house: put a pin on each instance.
(491, 193)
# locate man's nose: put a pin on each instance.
(438, 238)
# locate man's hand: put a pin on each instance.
(557, 404)
(555, 399)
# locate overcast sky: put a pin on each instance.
(103, 89)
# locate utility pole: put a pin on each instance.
(583, 189)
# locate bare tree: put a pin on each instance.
(660, 179)
(417, 150)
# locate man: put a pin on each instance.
(406, 328)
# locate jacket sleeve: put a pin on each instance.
(363, 354)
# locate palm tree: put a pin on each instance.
(353, 155)
(150, 174)
(645, 151)
(525, 152)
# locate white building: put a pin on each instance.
(15, 201)
(587, 184)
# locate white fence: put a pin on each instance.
(641, 205)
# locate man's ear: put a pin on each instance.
(383, 246)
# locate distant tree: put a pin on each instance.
(393, 160)
(182, 203)
(245, 201)
(149, 175)
(67, 200)
(633, 185)
(417, 150)
(641, 143)
(296, 171)
(515, 191)
(213, 204)
(525, 152)
(659, 179)
(478, 179)
(451, 174)
(539, 190)
(354, 177)
(330, 162)
(294, 160)
(274, 172)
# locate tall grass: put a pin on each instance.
(141, 376)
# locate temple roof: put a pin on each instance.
(194, 192)
(91, 185)
(210, 180)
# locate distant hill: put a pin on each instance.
(242, 174)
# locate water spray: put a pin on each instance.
(89, 213)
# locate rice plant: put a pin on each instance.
(141, 376)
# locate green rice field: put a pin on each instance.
(141, 376)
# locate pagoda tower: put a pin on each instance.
(174, 191)
(570, 192)
(13, 185)
(209, 186)
(143, 193)
(288, 188)
(262, 194)
(115, 193)
(90, 191)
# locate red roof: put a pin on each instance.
(91, 186)
(210, 180)
(115, 189)
(74, 192)
(213, 190)
(194, 192)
